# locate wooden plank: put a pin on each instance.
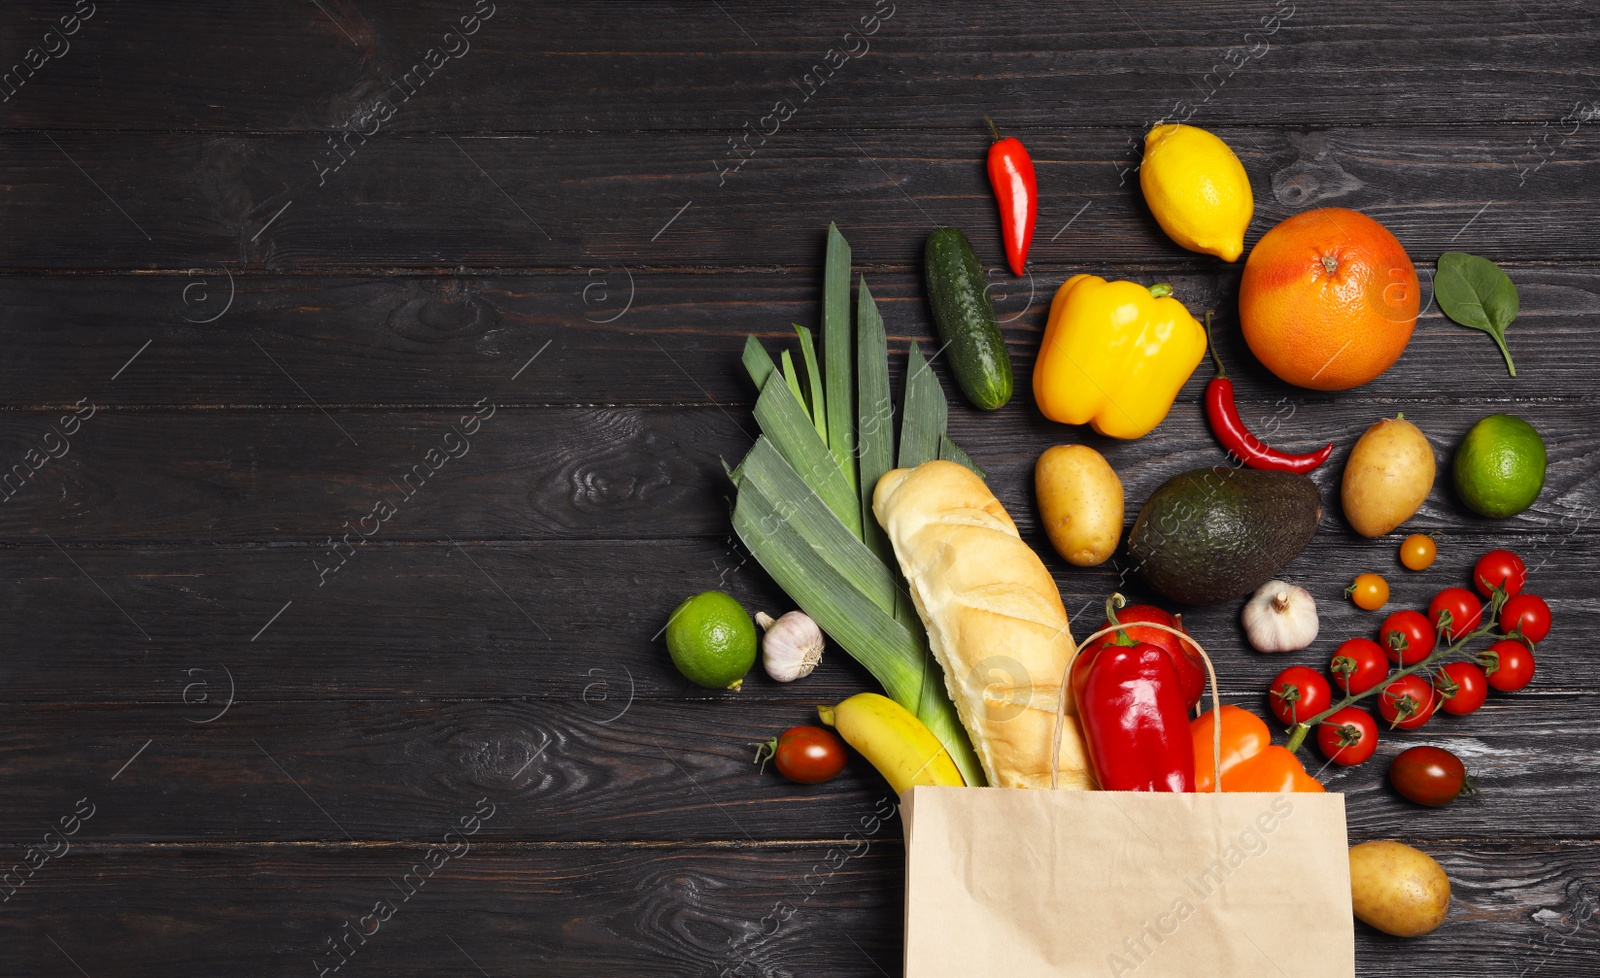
(671, 910)
(616, 473)
(602, 199)
(642, 66)
(534, 621)
(632, 336)
(662, 770)
(660, 911)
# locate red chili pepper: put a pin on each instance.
(1135, 722)
(1011, 175)
(1236, 437)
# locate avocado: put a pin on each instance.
(1210, 535)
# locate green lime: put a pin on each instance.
(1499, 466)
(712, 640)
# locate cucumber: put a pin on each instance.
(964, 318)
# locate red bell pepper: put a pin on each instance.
(1135, 723)
(1185, 658)
(1011, 176)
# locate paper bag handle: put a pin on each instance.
(1216, 701)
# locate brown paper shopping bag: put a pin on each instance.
(1018, 883)
(1015, 883)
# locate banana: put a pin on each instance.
(899, 745)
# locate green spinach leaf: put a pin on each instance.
(1474, 292)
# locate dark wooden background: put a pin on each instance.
(543, 228)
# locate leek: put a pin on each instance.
(837, 350)
(818, 400)
(926, 413)
(784, 420)
(804, 493)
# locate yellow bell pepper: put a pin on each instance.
(1115, 355)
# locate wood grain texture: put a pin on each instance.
(176, 201)
(580, 621)
(637, 336)
(644, 65)
(624, 473)
(557, 223)
(657, 770)
(675, 910)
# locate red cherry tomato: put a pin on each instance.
(1298, 693)
(1527, 615)
(1510, 667)
(1462, 687)
(1408, 702)
(805, 754)
(1502, 568)
(1185, 658)
(1364, 665)
(1348, 737)
(1429, 775)
(1407, 637)
(1465, 612)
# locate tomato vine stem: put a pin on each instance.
(1451, 652)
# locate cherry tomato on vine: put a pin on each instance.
(1348, 737)
(1510, 667)
(808, 755)
(1417, 551)
(1407, 637)
(1499, 568)
(1408, 702)
(1429, 776)
(1466, 611)
(1369, 592)
(1527, 615)
(1462, 687)
(1298, 692)
(1365, 665)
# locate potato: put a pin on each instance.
(1388, 475)
(1398, 889)
(1080, 500)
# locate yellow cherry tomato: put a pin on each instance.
(1417, 551)
(1370, 592)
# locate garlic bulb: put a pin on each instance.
(1280, 617)
(792, 646)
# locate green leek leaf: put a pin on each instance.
(757, 362)
(819, 410)
(951, 452)
(925, 415)
(783, 420)
(837, 349)
(804, 510)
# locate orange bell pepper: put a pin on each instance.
(1250, 761)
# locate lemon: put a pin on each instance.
(1499, 466)
(712, 640)
(1197, 190)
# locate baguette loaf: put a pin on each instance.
(994, 617)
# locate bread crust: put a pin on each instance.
(994, 618)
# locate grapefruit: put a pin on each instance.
(1328, 299)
